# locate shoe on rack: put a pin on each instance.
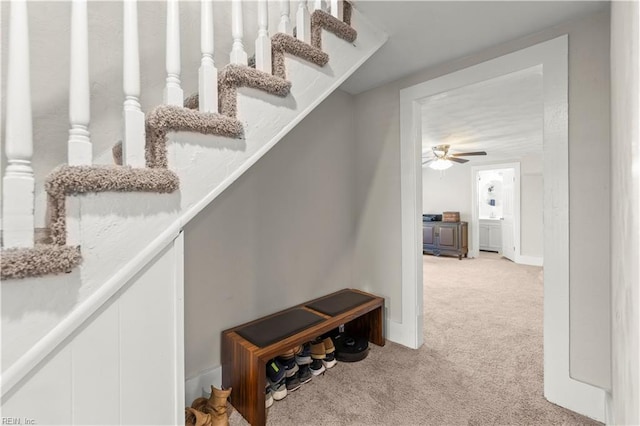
(317, 367)
(293, 383)
(304, 375)
(275, 371)
(279, 389)
(290, 366)
(304, 356)
(317, 349)
(330, 353)
(268, 396)
(291, 353)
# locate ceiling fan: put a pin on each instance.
(442, 159)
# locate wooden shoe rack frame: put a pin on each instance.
(243, 363)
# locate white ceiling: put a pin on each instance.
(427, 33)
(502, 116)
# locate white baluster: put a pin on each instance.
(303, 22)
(208, 74)
(173, 94)
(337, 9)
(285, 22)
(263, 42)
(18, 181)
(79, 145)
(317, 5)
(133, 138)
(80, 150)
(238, 55)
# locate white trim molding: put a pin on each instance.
(529, 260)
(559, 387)
(195, 387)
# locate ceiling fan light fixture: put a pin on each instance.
(440, 164)
(440, 150)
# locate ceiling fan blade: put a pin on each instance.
(426, 161)
(465, 154)
(457, 160)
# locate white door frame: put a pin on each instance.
(559, 387)
(474, 238)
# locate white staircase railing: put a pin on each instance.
(303, 22)
(284, 26)
(173, 94)
(80, 152)
(263, 42)
(133, 135)
(207, 74)
(238, 55)
(18, 181)
(336, 9)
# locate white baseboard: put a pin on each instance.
(401, 334)
(529, 260)
(193, 387)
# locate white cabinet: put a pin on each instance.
(490, 235)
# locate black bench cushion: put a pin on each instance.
(339, 302)
(278, 327)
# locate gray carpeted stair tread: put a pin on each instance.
(283, 43)
(66, 180)
(347, 9)
(234, 76)
(321, 20)
(172, 118)
(43, 259)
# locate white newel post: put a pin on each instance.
(303, 22)
(133, 135)
(284, 26)
(238, 55)
(207, 74)
(336, 9)
(263, 42)
(173, 94)
(79, 145)
(18, 181)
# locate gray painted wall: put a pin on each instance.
(377, 250)
(624, 399)
(280, 235)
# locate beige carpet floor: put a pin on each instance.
(481, 362)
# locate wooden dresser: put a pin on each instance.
(448, 238)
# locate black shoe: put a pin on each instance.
(304, 374)
(293, 383)
(317, 367)
(275, 371)
(290, 366)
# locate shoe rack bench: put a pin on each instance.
(247, 348)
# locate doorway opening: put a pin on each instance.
(552, 55)
(495, 217)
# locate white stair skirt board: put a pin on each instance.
(121, 359)
(559, 387)
(194, 387)
(206, 165)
